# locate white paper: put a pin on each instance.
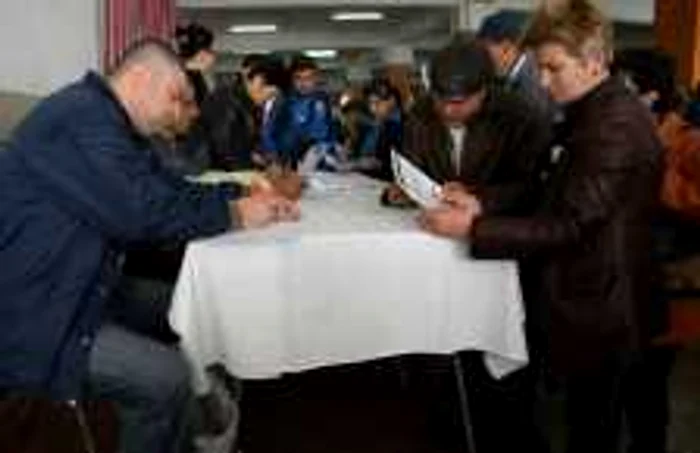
(414, 182)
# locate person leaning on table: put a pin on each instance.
(585, 249)
(79, 183)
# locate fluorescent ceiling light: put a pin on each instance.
(253, 28)
(357, 16)
(321, 53)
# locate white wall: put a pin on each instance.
(47, 43)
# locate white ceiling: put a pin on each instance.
(305, 24)
(311, 28)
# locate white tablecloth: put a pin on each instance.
(353, 281)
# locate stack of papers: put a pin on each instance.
(414, 182)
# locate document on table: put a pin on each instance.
(219, 177)
(414, 182)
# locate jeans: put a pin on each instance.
(150, 383)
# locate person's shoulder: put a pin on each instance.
(508, 103)
(225, 98)
(82, 102)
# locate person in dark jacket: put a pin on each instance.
(227, 124)
(585, 248)
(478, 133)
(194, 44)
(80, 183)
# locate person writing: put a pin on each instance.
(80, 182)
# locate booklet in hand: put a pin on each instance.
(414, 182)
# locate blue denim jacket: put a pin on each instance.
(77, 183)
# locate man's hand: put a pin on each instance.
(394, 196)
(454, 187)
(289, 184)
(450, 221)
(458, 196)
(285, 181)
(277, 181)
(261, 186)
(262, 210)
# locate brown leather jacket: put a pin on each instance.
(585, 250)
(501, 148)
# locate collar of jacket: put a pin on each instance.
(610, 85)
(97, 82)
(517, 68)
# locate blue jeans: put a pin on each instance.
(150, 383)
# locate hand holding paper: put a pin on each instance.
(414, 182)
(455, 217)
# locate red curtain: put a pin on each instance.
(127, 21)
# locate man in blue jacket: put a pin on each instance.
(312, 117)
(79, 182)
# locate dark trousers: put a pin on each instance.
(533, 411)
(646, 400)
(593, 407)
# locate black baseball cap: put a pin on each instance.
(461, 70)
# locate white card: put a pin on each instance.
(414, 182)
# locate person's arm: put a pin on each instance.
(110, 183)
(525, 145)
(610, 169)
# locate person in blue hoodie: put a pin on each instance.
(311, 113)
(80, 183)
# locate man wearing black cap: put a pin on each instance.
(501, 33)
(479, 133)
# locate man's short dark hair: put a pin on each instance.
(193, 39)
(302, 63)
(253, 59)
(147, 51)
(272, 70)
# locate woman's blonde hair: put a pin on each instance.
(578, 25)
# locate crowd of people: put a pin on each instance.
(554, 150)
